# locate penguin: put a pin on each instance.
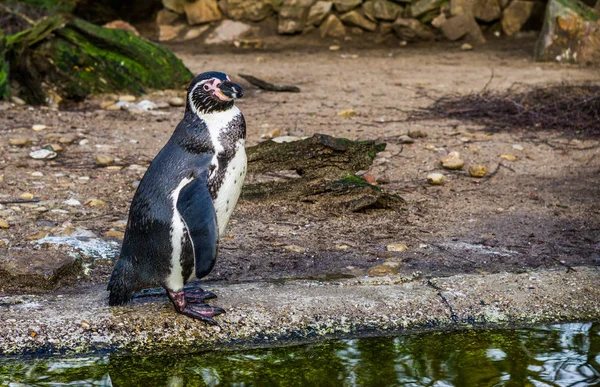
(184, 201)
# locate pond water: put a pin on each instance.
(556, 355)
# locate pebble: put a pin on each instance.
(38, 128)
(106, 104)
(282, 139)
(508, 157)
(95, 203)
(135, 184)
(4, 224)
(478, 170)
(26, 195)
(453, 164)
(404, 139)
(272, 134)
(104, 160)
(127, 98)
(399, 247)
(16, 100)
(334, 48)
(66, 139)
(436, 178)
(19, 141)
(43, 154)
(295, 249)
(37, 174)
(450, 156)
(416, 134)
(347, 113)
(112, 233)
(342, 247)
(518, 147)
(85, 141)
(72, 202)
(113, 107)
(466, 47)
(147, 105)
(176, 101)
(55, 147)
(162, 105)
(382, 270)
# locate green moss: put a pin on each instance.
(4, 84)
(578, 7)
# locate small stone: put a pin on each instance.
(295, 249)
(412, 30)
(135, 184)
(114, 234)
(282, 139)
(159, 105)
(318, 12)
(292, 19)
(347, 113)
(417, 134)
(203, 11)
(478, 170)
(335, 48)
(37, 174)
(147, 105)
(26, 195)
(453, 164)
(38, 127)
(104, 160)
(276, 132)
(508, 157)
(228, 32)
(55, 147)
(85, 141)
(127, 98)
(166, 33)
(461, 25)
(332, 26)
(382, 271)
(95, 203)
(451, 155)
(19, 141)
(106, 104)
(17, 101)
(404, 139)
(85, 325)
(487, 10)
(72, 202)
(421, 7)
(399, 247)
(436, 178)
(195, 32)
(466, 47)
(66, 139)
(439, 20)
(43, 154)
(176, 101)
(518, 147)
(37, 235)
(342, 247)
(113, 107)
(354, 18)
(4, 224)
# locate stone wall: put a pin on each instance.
(409, 20)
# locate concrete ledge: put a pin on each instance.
(266, 314)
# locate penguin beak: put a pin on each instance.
(228, 90)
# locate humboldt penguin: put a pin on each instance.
(185, 200)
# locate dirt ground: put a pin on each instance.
(540, 210)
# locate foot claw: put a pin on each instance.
(203, 312)
(198, 296)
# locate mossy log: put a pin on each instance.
(73, 58)
(325, 170)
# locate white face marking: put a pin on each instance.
(230, 189)
(175, 279)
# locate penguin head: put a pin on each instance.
(212, 92)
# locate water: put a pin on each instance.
(557, 355)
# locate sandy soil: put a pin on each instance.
(538, 211)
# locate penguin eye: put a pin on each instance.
(206, 87)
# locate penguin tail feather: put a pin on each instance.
(122, 283)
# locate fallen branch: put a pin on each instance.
(269, 86)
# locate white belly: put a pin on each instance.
(230, 189)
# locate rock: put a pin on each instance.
(439, 20)
(332, 26)
(346, 5)
(202, 11)
(68, 139)
(228, 31)
(164, 17)
(19, 141)
(295, 249)
(404, 139)
(17, 101)
(4, 224)
(466, 47)
(176, 6)
(123, 26)
(319, 12)
(450, 156)
(26, 195)
(458, 26)
(106, 104)
(508, 157)
(416, 133)
(112, 233)
(37, 174)
(478, 170)
(515, 16)
(177, 101)
(147, 105)
(43, 154)
(347, 113)
(256, 10)
(292, 19)
(571, 33)
(276, 132)
(335, 47)
(487, 10)
(104, 160)
(382, 271)
(127, 98)
(453, 163)
(385, 10)
(354, 18)
(518, 147)
(282, 139)
(38, 127)
(195, 32)
(421, 7)
(436, 178)
(166, 33)
(55, 147)
(95, 203)
(385, 28)
(412, 30)
(459, 7)
(368, 10)
(398, 247)
(72, 202)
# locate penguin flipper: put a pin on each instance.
(198, 212)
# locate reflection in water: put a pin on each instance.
(557, 355)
